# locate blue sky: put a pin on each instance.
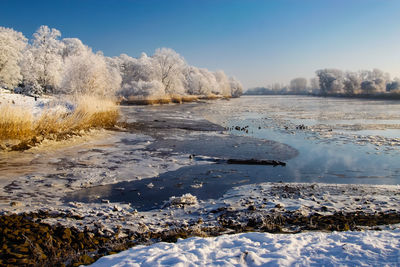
(259, 42)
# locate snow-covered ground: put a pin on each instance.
(42, 104)
(366, 248)
(23, 101)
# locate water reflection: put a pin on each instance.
(329, 156)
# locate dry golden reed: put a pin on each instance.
(90, 112)
(179, 99)
(15, 123)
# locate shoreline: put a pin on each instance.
(265, 207)
(90, 241)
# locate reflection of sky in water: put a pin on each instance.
(336, 159)
(327, 159)
(330, 159)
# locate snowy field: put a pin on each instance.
(367, 248)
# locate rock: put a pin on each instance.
(15, 204)
(252, 208)
(117, 208)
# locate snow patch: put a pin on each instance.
(182, 201)
(369, 248)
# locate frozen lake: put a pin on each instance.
(170, 150)
(342, 141)
(331, 140)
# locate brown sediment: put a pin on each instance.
(28, 242)
(25, 240)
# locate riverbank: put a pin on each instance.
(28, 121)
(73, 237)
(163, 150)
(177, 99)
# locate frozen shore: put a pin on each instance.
(155, 143)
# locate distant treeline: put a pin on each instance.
(364, 83)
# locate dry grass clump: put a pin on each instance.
(140, 100)
(179, 99)
(89, 112)
(15, 123)
(190, 98)
(211, 97)
(176, 99)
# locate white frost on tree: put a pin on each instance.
(139, 77)
(169, 67)
(236, 87)
(352, 83)
(12, 44)
(53, 66)
(143, 89)
(374, 81)
(166, 74)
(200, 81)
(42, 63)
(330, 81)
(224, 85)
(73, 47)
(393, 86)
(89, 74)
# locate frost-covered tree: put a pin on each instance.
(169, 67)
(12, 44)
(195, 82)
(73, 47)
(142, 88)
(224, 86)
(42, 63)
(137, 69)
(89, 74)
(199, 81)
(352, 83)
(393, 86)
(298, 85)
(139, 77)
(330, 81)
(374, 81)
(143, 76)
(236, 87)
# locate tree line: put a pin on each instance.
(47, 64)
(337, 82)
